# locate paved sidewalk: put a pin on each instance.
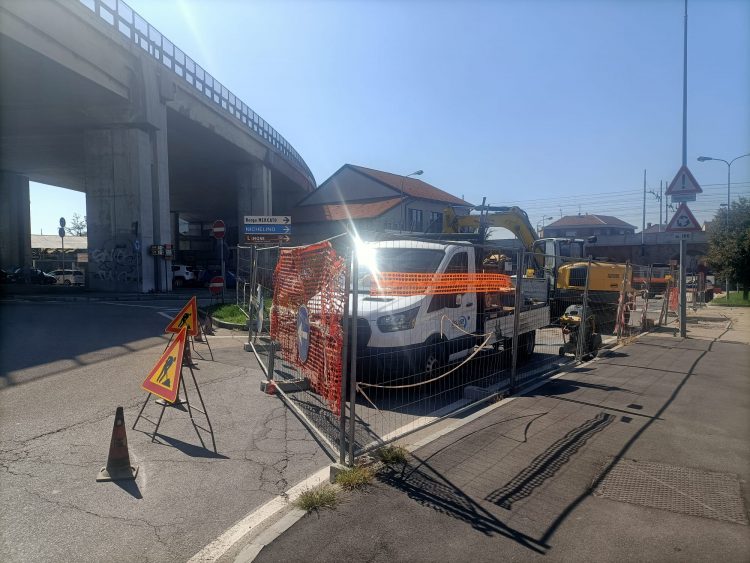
(642, 455)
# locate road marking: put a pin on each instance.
(133, 305)
(224, 542)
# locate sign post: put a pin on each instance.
(219, 230)
(683, 224)
(61, 232)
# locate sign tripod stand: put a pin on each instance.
(165, 381)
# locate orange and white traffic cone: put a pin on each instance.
(118, 461)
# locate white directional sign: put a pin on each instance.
(683, 221)
(268, 220)
(684, 187)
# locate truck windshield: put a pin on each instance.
(404, 260)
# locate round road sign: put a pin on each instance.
(303, 334)
(62, 221)
(216, 285)
(219, 228)
(61, 232)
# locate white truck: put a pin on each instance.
(418, 335)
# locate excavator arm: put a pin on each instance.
(512, 218)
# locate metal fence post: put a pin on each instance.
(584, 313)
(253, 281)
(353, 353)
(517, 308)
(345, 372)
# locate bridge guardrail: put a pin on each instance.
(127, 21)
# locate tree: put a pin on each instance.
(77, 226)
(729, 245)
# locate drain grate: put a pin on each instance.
(677, 489)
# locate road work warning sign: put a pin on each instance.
(186, 318)
(164, 380)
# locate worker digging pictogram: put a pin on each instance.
(188, 318)
(165, 381)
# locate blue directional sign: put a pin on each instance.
(268, 229)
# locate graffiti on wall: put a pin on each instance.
(114, 261)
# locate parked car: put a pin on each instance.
(5, 277)
(69, 277)
(32, 275)
(183, 276)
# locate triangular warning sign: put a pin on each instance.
(164, 379)
(684, 183)
(187, 317)
(683, 221)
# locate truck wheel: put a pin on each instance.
(527, 343)
(434, 361)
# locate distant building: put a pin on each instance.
(47, 252)
(371, 201)
(581, 226)
(655, 228)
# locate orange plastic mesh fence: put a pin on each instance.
(313, 277)
(398, 283)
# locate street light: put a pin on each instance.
(403, 208)
(729, 184)
(542, 220)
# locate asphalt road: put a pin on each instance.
(64, 368)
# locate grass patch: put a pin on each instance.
(323, 496)
(228, 313)
(733, 300)
(354, 478)
(392, 455)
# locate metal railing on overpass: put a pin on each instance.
(123, 18)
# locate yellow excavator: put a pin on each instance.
(558, 269)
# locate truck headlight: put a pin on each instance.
(399, 321)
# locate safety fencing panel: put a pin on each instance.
(258, 298)
(418, 336)
(307, 332)
(549, 315)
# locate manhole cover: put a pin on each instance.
(677, 489)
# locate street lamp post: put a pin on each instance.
(403, 208)
(729, 187)
(542, 220)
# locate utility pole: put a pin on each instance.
(660, 196)
(683, 296)
(643, 225)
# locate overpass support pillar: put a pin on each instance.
(253, 194)
(127, 209)
(15, 221)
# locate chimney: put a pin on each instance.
(648, 225)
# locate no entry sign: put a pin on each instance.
(219, 228)
(216, 285)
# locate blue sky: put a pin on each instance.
(556, 106)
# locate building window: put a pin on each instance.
(415, 220)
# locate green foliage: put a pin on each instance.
(392, 455)
(323, 496)
(76, 226)
(228, 313)
(354, 478)
(734, 300)
(729, 245)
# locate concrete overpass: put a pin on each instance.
(94, 99)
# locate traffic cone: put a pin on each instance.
(187, 357)
(118, 461)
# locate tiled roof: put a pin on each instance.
(343, 211)
(589, 221)
(413, 187)
(655, 229)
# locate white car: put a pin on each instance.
(183, 275)
(69, 277)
